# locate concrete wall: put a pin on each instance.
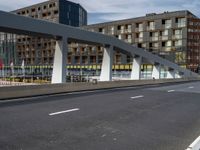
(36, 90)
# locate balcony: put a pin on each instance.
(128, 30)
(150, 28)
(85, 53)
(154, 38)
(167, 26)
(164, 37)
(136, 29)
(177, 36)
(138, 40)
(167, 49)
(181, 25)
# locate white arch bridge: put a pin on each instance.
(11, 23)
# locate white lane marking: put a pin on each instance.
(140, 96)
(170, 91)
(195, 144)
(65, 111)
(191, 87)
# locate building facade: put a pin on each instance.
(8, 48)
(37, 50)
(171, 35)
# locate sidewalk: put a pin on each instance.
(8, 83)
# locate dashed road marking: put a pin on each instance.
(191, 87)
(65, 111)
(195, 145)
(170, 91)
(135, 97)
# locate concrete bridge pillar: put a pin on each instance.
(106, 68)
(170, 74)
(60, 61)
(136, 68)
(178, 75)
(156, 71)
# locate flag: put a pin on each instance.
(1, 64)
(22, 66)
(12, 67)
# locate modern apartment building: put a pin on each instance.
(172, 35)
(8, 48)
(37, 50)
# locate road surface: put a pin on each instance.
(164, 117)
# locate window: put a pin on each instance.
(165, 33)
(100, 29)
(163, 22)
(181, 22)
(178, 32)
(112, 30)
(50, 5)
(122, 29)
(129, 28)
(44, 15)
(169, 43)
(140, 27)
(118, 27)
(56, 12)
(163, 44)
(141, 35)
(178, 43)
(151, 34)
(33, 9)
(139, 45)
(151, 25)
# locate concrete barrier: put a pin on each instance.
(195, 145)
(37, 90)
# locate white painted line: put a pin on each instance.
(170, 91)
(140, 96)
(195, 145)
(191, 87)
(65, 111)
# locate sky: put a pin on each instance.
(110, 10)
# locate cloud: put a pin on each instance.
(108, 10)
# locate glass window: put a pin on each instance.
(169, 43)
(181, 22)
(165, 32)
(178, 43)
(151, 25)
(140, 27)
(178, 32)
(168, 24)
(129, 28)
(141, 35)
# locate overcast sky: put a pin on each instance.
(108, 10)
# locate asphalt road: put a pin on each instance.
(163, 117)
